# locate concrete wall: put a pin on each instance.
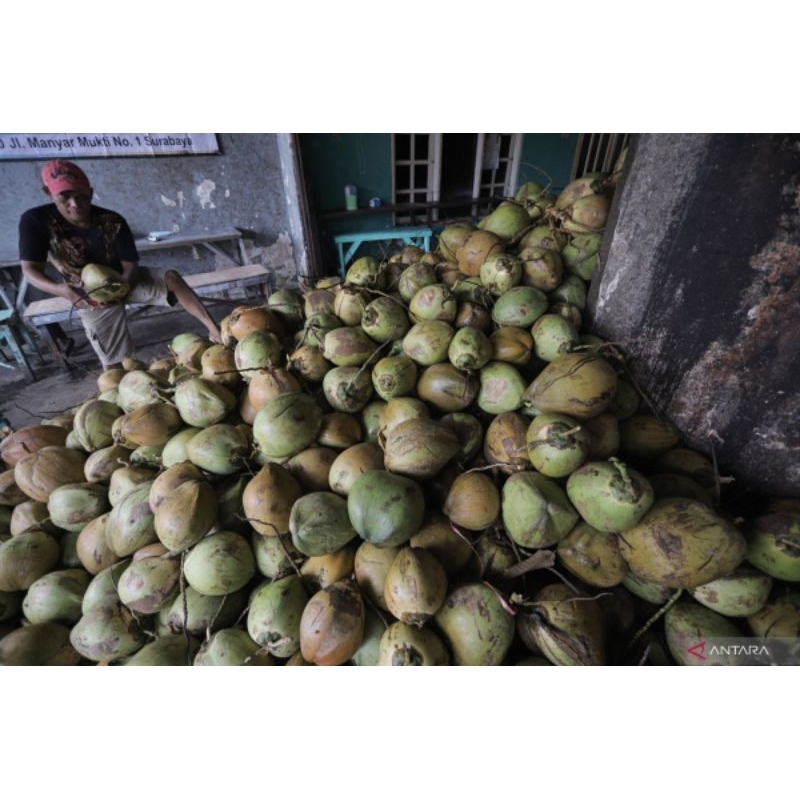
(700, 284)
(250, 185)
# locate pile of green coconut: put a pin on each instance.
(427, 461)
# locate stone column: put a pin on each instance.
(698, 283)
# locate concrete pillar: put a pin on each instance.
(699, 283)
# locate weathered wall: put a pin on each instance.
(244, 187)
(700, 283)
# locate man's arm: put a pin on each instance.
(33, 271)
(130, 271)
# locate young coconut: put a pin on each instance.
(609, 495)
(578, 385)
(403, 645)
(415, 586)
(232, 647)
(565, 625)
(332, 624)
(476, 625)
(103, 284)
(681, 544)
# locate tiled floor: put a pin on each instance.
(25, 403)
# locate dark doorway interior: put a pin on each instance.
(457, 169)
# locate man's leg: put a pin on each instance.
(107, 332)
(191, 303)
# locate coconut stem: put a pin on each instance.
(557, 437)
(370, 362)
(542, 559)
(660, 613)
(507, 607)
(626, 478)
(185, 611)
(210, 626)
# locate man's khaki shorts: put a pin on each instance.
(107, 328)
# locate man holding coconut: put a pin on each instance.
(71, 233)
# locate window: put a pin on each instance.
(598, 152)
(447, 172)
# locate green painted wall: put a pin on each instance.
(333, 160)
(547, 158)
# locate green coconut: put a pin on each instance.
(131, 523)
(773, 544)
(72, 505)
(741, 593)
(149, 584)
(103, 284)
(139, 387)
(566, 626)
(275, 556)
(171, 650)
(287, 424)
(403, 645)
(201, 614)
(476, 625)
(56, 597)
(576, 384)
(691, 631)
(220, 563)
(557, 444)
(384, 508)
(232, 647)
(186, 515)
(273, 618)
(221, 449)
(508, 220)
(609, 495)
(107, 632)
(681, 543)
(535, 509)
(43, 644)
(319, 523)
(201, 402)
(93, 423)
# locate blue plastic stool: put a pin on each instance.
(11, 331)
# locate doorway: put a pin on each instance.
(446, 173)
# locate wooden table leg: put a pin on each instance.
(50, 338)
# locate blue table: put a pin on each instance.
(15, 336)
(419, 237)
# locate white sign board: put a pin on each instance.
(99, 145)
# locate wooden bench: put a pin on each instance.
(420, 236)
(208, 241)
(41, 314)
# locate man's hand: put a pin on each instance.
(76, 296)
(34, 273)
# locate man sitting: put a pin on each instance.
(69, 233)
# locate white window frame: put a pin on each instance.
(485, 183)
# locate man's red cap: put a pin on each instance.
(64, 176)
